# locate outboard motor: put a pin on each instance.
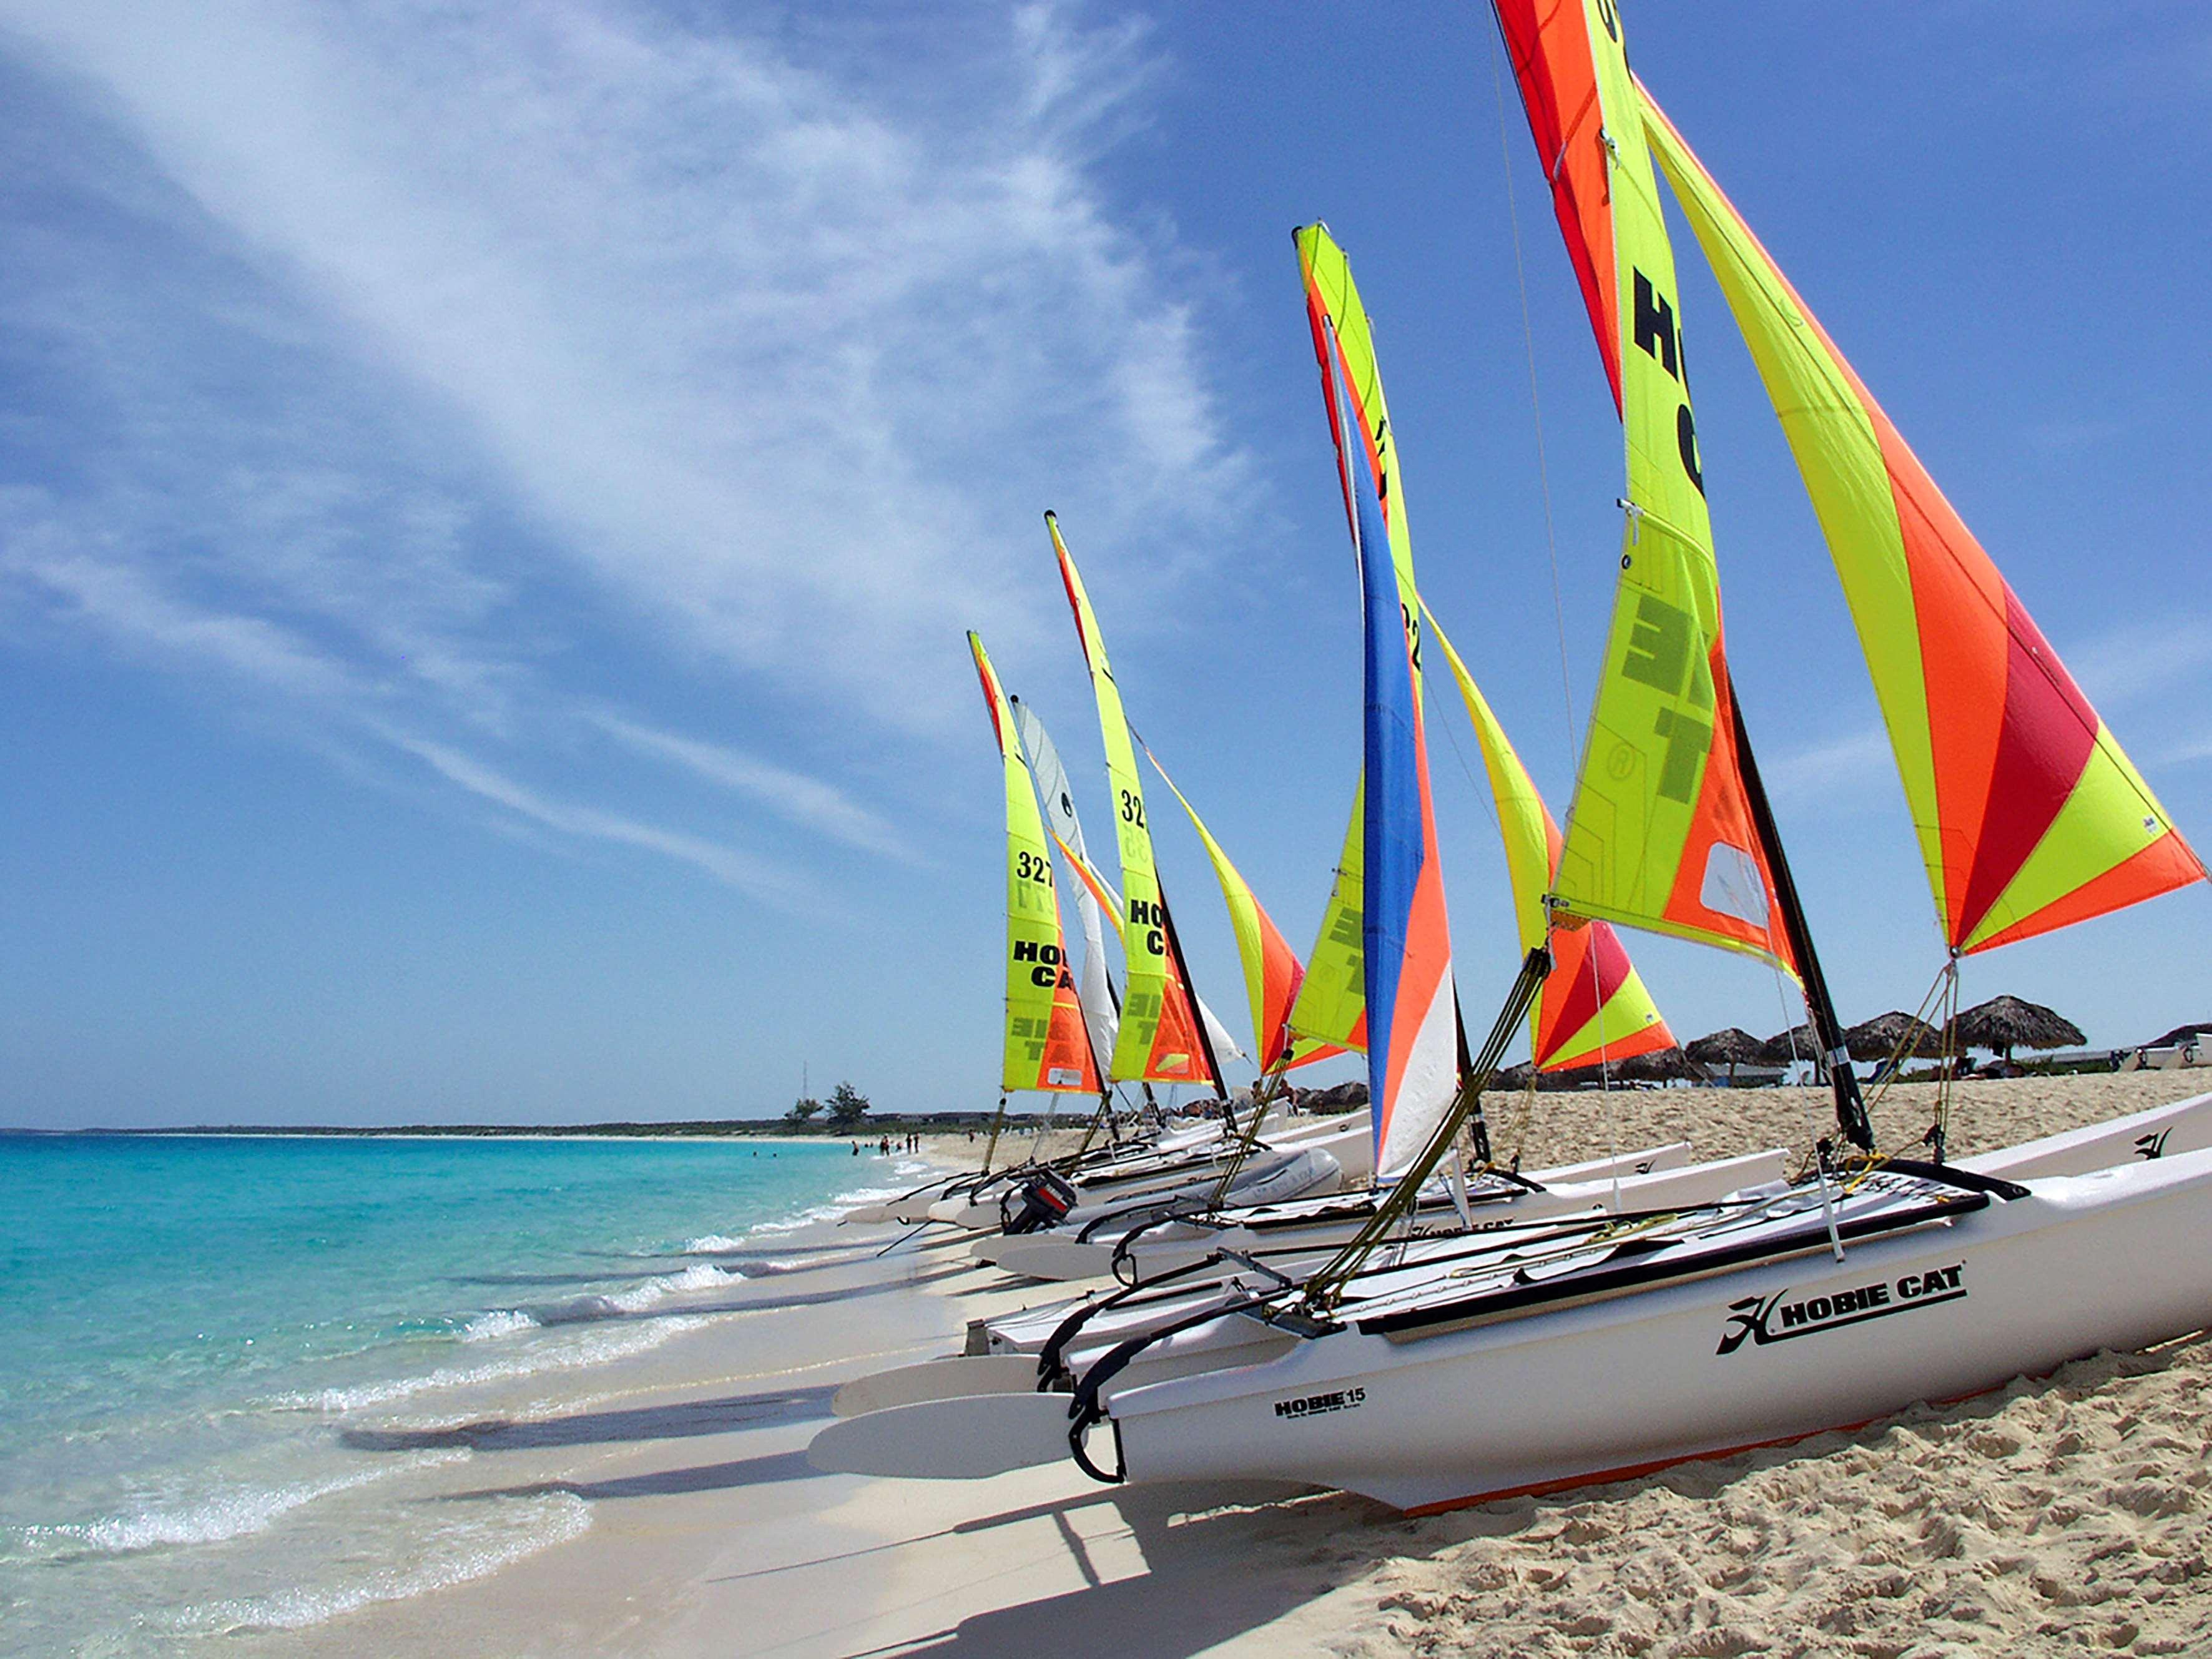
(1043, 1200)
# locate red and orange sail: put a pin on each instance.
(1660, 834)
(2029, 815)
(1047, 1047)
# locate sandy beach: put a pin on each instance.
(2059, 1513)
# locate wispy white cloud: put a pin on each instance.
(2143, 660)
(1848, 763)
(439, 364)
(759, 878)
(794, 795)
(772, 365)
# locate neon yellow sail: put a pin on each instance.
(1159, 1041)
(1331, 1007)
(1047, 1047)
(2029, 815)
(1272, 972)
(1333, 303)
(1593, 1005)
(1660, 834)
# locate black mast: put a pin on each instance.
(1827, 1030)
(1197, 1017)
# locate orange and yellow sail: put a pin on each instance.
(1160, 1040)
(1272, 972)
(1660, 834)
(1593, 1005)
(2029, 815)
(1047, 1047)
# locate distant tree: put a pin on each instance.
(802, 1112)
(847, 1107)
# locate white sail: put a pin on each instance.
(1095, 990)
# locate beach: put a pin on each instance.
(2058, 1513)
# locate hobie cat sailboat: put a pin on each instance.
(1539, 1358)
(1590, 1006)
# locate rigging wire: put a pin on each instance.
(1535, 401)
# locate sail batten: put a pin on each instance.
(2029, 815)
(1160, 1039)
(1047, 1045)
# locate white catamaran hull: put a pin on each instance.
(1064, 1254)
(1191, 1177)
(1615, 1387)
(1699, 1183)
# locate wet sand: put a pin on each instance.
(2060, 1513)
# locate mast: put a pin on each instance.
(1204, 1038)
(1827, 1030)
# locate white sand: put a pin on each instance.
(2061, 1514)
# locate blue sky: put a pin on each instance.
(491, 495)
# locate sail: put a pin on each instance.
(1102, 1013)
(1047, 1047)
(1331, 1006)
(1413, 1048)
(1159, 1039)
(1272, 972)
(1660, 834)
(2029, 815)
(1593, 1005)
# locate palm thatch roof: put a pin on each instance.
(1513, 1077)
(1786, 1047)
(2180, 1034)
(2006, 1022)
(1660, 1066)
(1733, 1046)
(1882, 1037)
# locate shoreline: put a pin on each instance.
(2069, 1508)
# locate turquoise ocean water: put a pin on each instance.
(192, 1324)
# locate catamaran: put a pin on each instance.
(1591, 1006)
(1545, 1356)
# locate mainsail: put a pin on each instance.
(1102, 1013)
(1272, 972)
(1413, 1024)
(2029, 815)
(1592, 1006)
(1047, 1045)
(1660, 833)
(1160, 1038)
(1332, 1007)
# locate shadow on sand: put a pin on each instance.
(767, 1469)
(636, 1424)
(1220, 1559)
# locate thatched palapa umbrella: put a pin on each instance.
(2006, 1022)
(1885, 1035)
(1785, 1046)
(1660, 1066)
(1731, 1047)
